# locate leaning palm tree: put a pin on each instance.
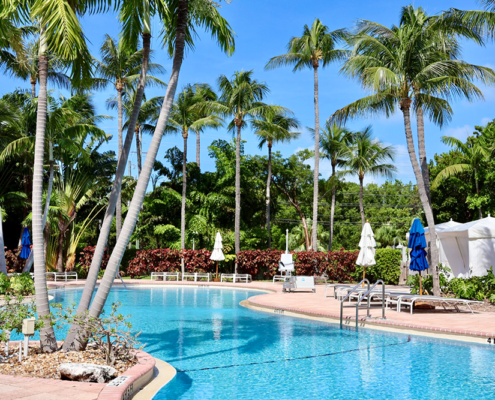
(403, 71)
(316, 46)
(120, 67)
(334, 140)
(275, 127)
(179, 18)
(468, 158)
(240, 99)
(184, 117)
(368, 156)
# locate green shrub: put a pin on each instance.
(4, 284)
(474, 288)
(22, 284)
(387, 267)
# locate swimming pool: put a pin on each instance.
(225, 351)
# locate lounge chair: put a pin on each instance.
(286, 264)
(196, 275)
(65, 275)
(300, 282)
(165, 275)
(237, 277)
(410, 299)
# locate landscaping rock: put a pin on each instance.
(87, 372)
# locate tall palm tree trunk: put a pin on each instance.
(33, 88)
(198, 148)
(405, 107)
(3, 263)
(268, 199)
(480, 214)
(184, 191)
(139, 193)
(361, 203)
(317, 162)
(48, 342)
(60, 250)
(29, 261)
(89, 286)
(422, 151)
(138, 151)
(332, 209)
(237, 220)
(118, 219)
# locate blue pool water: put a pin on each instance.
(225, 351)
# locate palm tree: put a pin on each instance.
(316, 46)
(186, 116)
(61, 35)
(240, 99)
(273, 128)
(365, 156)
(406, 69)
(468, 158)
(121, 66)
(334, 140)
(180, 19)
(205, 93)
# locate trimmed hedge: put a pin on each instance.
(387, 267)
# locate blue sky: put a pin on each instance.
(263, 29)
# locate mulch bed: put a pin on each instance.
(45, 365)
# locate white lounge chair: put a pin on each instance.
(286, 264)
(239, 277)
(196, 275)
(410, 299)
(165, 275)
(65, 275)
(300, 282)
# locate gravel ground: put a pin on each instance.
(45, 365)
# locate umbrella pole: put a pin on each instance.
(364, 274)
(217, 271)
(420, 285)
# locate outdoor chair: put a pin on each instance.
(65, 275)
(240, 277)
(196, 275)
(299, 282)
(410, 299)
(165, 275)
(286, 264)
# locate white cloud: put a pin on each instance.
(460, 133)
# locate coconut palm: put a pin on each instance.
(186, 116)
(334, 141)
(368, 156)
(315, 47)
(120, 67)
(468, 158)
(404, 71)
(240, 99)
(205, 93)
(274, 127)
(180, 18)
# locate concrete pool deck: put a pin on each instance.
(477, 327)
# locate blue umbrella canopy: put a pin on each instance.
(417, 244)
(25, 242)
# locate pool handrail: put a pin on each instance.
(347, 296)
(366, 294)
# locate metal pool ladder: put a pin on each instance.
(360, 299)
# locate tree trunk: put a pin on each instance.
(29, 261)
(480, 214)
(332, 209)
(138, 151)
(89, 286)
(317, 164)
(405, 108)
(3, 263)
(48, 342)
(237, 221)
(33, 89)
(184, 191)
(118, 218)
(268, 199)
(198, 148)
(139, 193)
(361, 204)
(422, 151)
(60, 250)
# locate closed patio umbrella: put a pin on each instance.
(367, 246)
(26, 244)
(417, 244)
(217, 253)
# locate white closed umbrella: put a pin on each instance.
(367, 246)
(217, 253)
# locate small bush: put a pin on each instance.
(387, 267)
(17, 285)
(474, 288)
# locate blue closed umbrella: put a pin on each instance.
(417, 244)
(26, 243)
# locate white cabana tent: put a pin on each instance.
(450, 243)
(467, 249)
